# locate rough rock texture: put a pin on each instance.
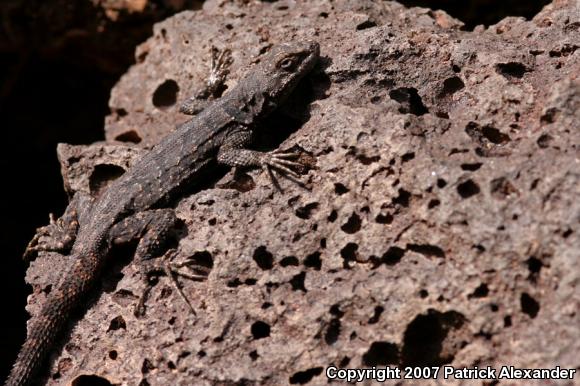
(441, 224)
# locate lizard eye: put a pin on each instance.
(286, 63)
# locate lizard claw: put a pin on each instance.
(279, 160)
(51, 237)
(220, 67)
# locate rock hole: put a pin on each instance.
(480, 292)
(381, 354)
(507, 321)
(567, 233)
(130, 136)
(340, 189)
(427, 250)
(349, 253)
(409, 100)
(565, 50)
(113, 354)
(102, 175)
(303, 377)
(124, 297)
(202, 258)
(403, 198)
(549, 116)
(242, 182)
(391, 257)
(344, 362)
(423, 293)
(433, 203)
(384, 218)
(441, 183)
(297, 236)
(233, 283)
(471, 167)
(166, 94)
(260, 330)
(365, 25)
(366, 160)
(332, 332)
(501, 188)
(90, 380)
(486, 134)
(352, 225)
(144, 382)
(407, 157)
(305, 212)
(313, 261)
(117, 323)
(335, 310)
(254, 355)
(120, 112)
(529, 305)
(493, 135)
(289, 261)
(377, 315)
(201, 353)
(467, 189)
(147, 366)
(451, 86)
(332, 216)
(430, 340)
(511, 70)
(297, 282)
(171, 365)
(544, 141)
(263, 258)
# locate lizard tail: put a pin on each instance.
(45, 327)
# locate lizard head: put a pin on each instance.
(285, 65)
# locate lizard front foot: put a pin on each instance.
(56, 236)
(220, 63)
(281, 161)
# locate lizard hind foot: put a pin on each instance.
(166, 266)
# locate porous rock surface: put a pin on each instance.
(440, 224)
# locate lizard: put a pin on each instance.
(137, 205)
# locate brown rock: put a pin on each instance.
(440, 225)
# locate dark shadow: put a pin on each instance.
(486, 12)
